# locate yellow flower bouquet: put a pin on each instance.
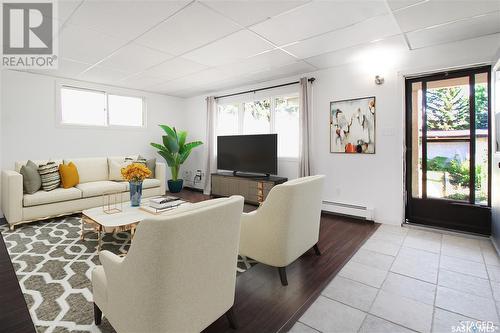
(135, 172)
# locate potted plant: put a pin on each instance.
(135, 174)
(175, 151)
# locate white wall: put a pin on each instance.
(374, 181)
(29, 129)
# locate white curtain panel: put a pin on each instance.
(305, 123)
(211, 163)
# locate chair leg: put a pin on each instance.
(316, 249)
(282, 271)
(231, 318)
(97, 315)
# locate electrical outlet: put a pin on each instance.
(198, 176)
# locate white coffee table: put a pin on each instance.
(101, 222)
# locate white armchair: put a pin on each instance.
(179, 274)
(286, 225)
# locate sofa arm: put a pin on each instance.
(161, 175)
(249, 234)
(12, 196)
(109, 260)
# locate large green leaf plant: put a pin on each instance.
(175, 150)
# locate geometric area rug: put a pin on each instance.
(54, 269)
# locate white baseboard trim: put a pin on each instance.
(348, 209)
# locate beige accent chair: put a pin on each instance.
(179, 274)
(286, 225)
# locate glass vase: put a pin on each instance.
(135, 193)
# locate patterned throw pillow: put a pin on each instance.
(50, 176)
(151, 164)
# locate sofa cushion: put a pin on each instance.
(115, 168)
(93, 189)
(56, 195)
(122, 158)
(91, 169)
(147, 183)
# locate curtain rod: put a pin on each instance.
(266, 88)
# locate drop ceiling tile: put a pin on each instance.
(204, 78)
(175, 68)
(371, 29)
(173, 86)
(103, 75)
(185, 93)
(134, 58)
(398, 4)
(124, 18)
(141, 82)
(239, 45)
(460, 30)
(291, 69)
(191, 28)
(63, 9)
(341, 57)
(248, 12)
(86, 45)
(435, 12)
(316, 18)
(67, 69)
(265, 61)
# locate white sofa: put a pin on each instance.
(286, 225)
(179, 274)
(19, 207)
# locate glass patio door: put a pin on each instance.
(448, 149)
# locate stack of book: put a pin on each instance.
(161, 204)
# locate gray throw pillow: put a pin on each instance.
(151, 164)
(32, 181)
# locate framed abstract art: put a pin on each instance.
(352, 126)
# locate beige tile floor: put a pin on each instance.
(410, 280)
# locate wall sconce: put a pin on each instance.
(379, 80)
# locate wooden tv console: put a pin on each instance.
(253, 189)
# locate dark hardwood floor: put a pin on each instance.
(262, 304)
(14, 314)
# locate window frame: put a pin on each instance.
(101, 89)
(272, 120)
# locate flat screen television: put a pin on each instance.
(248, 153)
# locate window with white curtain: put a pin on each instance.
(88, 107)
(277, 114)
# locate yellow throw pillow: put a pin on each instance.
(69, 175)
